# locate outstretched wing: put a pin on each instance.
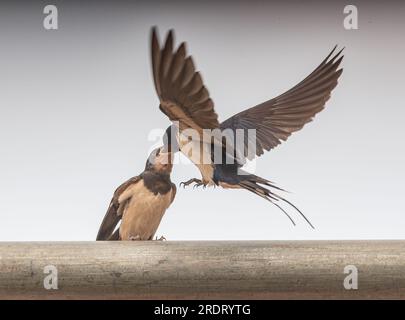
(275, 119)
(114, 214)
(182, 94)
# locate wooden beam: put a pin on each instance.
(203, 269)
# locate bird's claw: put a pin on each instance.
(137, 238)
(194, 180)
(199, 184)
(162, 238)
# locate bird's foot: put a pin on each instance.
(198, 182)
(162, 238)
(136, 238)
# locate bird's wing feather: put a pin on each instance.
(275, 119)
(182, 94)
(113, 216)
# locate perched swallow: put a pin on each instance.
(186, 101)
(140, 202)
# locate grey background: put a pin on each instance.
(77, 105)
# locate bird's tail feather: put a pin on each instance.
(254, 184)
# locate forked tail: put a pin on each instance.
(254, 184)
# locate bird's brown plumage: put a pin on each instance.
(184, 98)
(143, 211)
(275, 119)
(140, 203)
(182, 94)
(114, 212)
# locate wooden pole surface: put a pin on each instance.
(202, 269)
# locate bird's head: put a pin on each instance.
(159, 161)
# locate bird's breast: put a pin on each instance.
(200, 154)
(143, 212)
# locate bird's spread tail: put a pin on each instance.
(255, 184)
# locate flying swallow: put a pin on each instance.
(140, 202)
(186, 102)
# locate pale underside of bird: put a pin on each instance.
(139, 204)
(186, 102)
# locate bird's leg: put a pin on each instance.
(137, 238)
(187, 183)
(162, 238)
